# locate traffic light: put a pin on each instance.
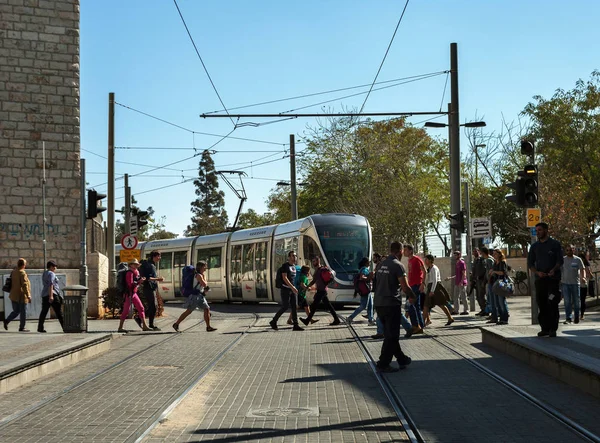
(530, 185)
(527, 148)
(458, 221)
(141, 219)
(518, 195)
(92, 204)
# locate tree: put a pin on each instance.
(209, 215)
(154, 230)
(251, 219)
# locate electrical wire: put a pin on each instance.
(323, 93)
(444, 93)
(202, 61)
(384, 57)
(191, 131)
(218, 151)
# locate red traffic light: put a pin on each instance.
(527, 148)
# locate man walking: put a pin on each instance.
(544, 260)
(573, 273)
(460, 285)
(391, 277)
(416, 281)
(150, 286)
(479, 280)
(321, 295)
(289, 292)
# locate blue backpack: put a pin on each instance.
(188, 281)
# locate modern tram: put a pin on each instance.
(242, 265)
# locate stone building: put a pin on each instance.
(39, 96)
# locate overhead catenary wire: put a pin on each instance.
(384, 57)
(202, 61)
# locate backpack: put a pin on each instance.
(121, 272)
(187, 281)
(279, 278)
(361, 287)
(326, 275)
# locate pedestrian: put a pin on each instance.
(544, 260)
(364, 278)
(586, 283)
(391, 280)
(197, 299)
(490, 307)
(51, 296)
(302, 285)
(20, 295)
(573, 273)
(321, 296)
(132, 282)
(289, 292)
(460, 285)
(150, 287)
(416, 281)
(436, 294)
(479, 280)
(499, 272)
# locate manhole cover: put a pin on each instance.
(151, 367)
(283, 412)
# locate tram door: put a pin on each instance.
(248, 282)
(179, 262)
(260, 270)
(236, 273)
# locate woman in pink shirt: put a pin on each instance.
(132, 280)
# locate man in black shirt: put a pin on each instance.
(544, 260)
(321, 294)
(289, 292)
(391, 278)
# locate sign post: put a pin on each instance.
(534, 216)
(481, 227)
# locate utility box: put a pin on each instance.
(75, 308)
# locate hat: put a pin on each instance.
(133, 262)
(51, 263)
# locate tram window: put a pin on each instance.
(179, 261)
(236, 268)
(280, 253)
(311, 249)
(165, 266)
(248, 262)
(212, 257)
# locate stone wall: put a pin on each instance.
(39, 97)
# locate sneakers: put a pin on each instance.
(304, 320)
(210, 329)
(464, 313)
(404, 361)
(297, 328)
(502, 322)
(409, 333)
(576, 320)
(544, 334)
(273, 324)
(23, 330)
(176, 327)
(567, 321)
(387, 369)
(481, 314)
(124, 331)
(492, 320)
(552, 334)
(376, 336)
(155, 328)
(42, 331)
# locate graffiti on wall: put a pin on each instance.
(33, 230)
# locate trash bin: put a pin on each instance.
(75, 308)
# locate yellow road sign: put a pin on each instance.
(129, 254)
(534, 216)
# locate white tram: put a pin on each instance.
(242, 265)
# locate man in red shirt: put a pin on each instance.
(416, 281)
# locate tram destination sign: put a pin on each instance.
(481, 227)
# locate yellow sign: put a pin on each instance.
(129, 254)
(534, 216)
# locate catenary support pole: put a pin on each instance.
(110, 236)
(469, 251)
(127, 214)
(83, 272)
(293, 177)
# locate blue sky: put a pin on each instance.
(509, 51)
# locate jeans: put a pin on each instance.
(56, 306)
(572, 297)
(366, 301)
(460, 295)
(415, 311)
(493, 303)
(480, 288)
(390, 318)
(321, 296)
(151, 303)
(288, 300)
(18, 309)
(548, 298)
(501, 307)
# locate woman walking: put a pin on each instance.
(499, 272)
(20, 295)
(196, 299)
(586, 282)
(50, 296)
(132, 281)
(363, 288)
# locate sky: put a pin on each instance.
(508, 52)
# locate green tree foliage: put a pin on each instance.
(209, 215)
(154, 230)
(566, 130)
(251, 219)
(390, 172)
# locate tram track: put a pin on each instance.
(411, 426)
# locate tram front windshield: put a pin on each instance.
(344, 247)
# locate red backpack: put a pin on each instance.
(326, 275)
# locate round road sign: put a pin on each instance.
(129, 241)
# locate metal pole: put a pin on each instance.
(111, 191)
(83, 272)
(469, 242)
(127, 215)
(454, 129)
(293, 177)
(44, 202)
(531, 290)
